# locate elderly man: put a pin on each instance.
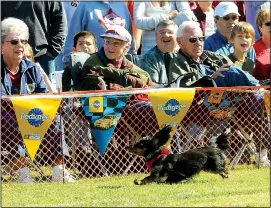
(226, 16)
(196, 64)
(110, 64)
(155, 61)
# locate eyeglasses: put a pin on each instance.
(267, 24)
(228, 17)
(113, 43)
(16, 42)
(193, 40)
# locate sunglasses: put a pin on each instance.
(16, 42)
(228, 17)
(267, 24)
(193, 40)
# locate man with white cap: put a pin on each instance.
(226, 16)
(110, 63)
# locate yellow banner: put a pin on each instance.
(170, 107)
(34, 116)
(96, 104)
(267, 103)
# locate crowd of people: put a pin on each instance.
(132, 45)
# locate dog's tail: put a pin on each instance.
(223, 140)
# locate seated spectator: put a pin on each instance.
(204, 13)
(29, 55)
(193, 60)
(110, 64)
(262, 46)
(21, 76)
(84, 44)
(226, 16)
(156, 60)
(242, 38)
(148, 14)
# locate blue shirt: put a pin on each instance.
(219, 44)
(153, 62)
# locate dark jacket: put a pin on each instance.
(211, 62)
(46, 21)
(128, 74)
(31, 80)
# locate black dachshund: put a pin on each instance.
(166, 167)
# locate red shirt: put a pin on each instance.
(16, 82)
(262, 67)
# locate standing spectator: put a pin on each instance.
(242, 38)
(262, 46)
(241, 8)
(226, 16)
(69, 8)
(205, 16)
(137, 32)
(155, 61)
(97, 17)
(252, 8)
(47, 25)
(148, 14)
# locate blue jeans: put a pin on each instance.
(47, 63)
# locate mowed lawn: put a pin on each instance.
(246, 187)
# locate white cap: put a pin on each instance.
(225, 8)
(119, 33)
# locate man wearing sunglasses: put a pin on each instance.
(226, 16)
(198, 67)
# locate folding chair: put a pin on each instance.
(56, 79)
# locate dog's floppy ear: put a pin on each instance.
(162, 136)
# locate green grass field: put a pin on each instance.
(246, 187)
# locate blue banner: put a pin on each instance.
(105, 112)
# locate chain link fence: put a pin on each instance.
(69, 136)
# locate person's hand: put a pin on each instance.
(218, 73)
(172, 14)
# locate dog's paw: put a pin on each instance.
(138, 182)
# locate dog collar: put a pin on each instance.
(164, 152)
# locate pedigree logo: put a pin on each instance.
(172, 107)
(35, 117)
(96, 104)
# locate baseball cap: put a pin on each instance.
(119, 33)
(225, 8)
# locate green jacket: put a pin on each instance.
(182, 64)
(129, 75)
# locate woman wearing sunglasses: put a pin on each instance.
(18, 76)
(262, 46)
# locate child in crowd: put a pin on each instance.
(29, 55)
(242, 38)
(84, 44)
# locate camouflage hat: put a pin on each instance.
(119, 33)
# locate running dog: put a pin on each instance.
(166, 167)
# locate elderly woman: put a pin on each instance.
(20, 76)
(262, 46)
(110, 63)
